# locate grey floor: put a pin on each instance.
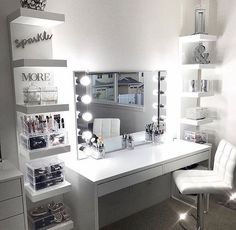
(164, 216)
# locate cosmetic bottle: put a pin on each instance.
(124, 141)
(130, 142)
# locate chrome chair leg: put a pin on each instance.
(200, 211)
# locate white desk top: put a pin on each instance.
(125, 162)
(8, 171)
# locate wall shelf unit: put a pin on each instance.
(49, 192)
(198, 38)
(197, 66)
(197, 94)
(36, 18)
(194, 71)
(39, 63)
(45, 152)
(196, 122)
(39, 126)
(42, 108)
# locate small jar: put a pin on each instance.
(32, 95)
(49, 95)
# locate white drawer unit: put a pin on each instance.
(126, 181)
(13, 223)
(12, 202)
(10, 189)
(11, 207)
(178, 164)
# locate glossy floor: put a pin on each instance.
(164, 216)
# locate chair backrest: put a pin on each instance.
(106, 127)
(225, 161)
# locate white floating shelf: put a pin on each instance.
(39, 63)
(49, 192)
(197, 94)
(36, 18)
(63, 226)
(198, 66)
(44, 152)
(198, 38)
(42, 108)
(196, 122)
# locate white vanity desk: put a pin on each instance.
(125, 168)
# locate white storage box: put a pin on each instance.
(196, 136)
(196, 113)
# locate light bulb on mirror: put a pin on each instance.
(155, 92)
(155, 105)
(85, 80)
(154, 118)
(86, 135)
(87, 116)
(155, 78)
(86, 99)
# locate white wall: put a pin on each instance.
(121, 35)
(224, 103)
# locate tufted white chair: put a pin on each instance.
(106, 127)
(201, 182)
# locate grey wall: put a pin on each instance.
(7, 109)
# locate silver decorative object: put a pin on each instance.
(193, 85)
(200, 56)
(200, 21)
(34, 4)
(204, 85)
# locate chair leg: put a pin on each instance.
(200, 212)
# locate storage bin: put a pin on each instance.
(33, 142)
(46, 184)
(196, 113)
(45, 177)
(56, 139)
(197, 137)
(49, 219)
(43, 166)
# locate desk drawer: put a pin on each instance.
(10, 189)
(13, 223)
(11, 207)
(178, 164)
(129, 180)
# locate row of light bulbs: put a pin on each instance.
(85, 99)
(155, 93)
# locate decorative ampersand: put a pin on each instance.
(200, 56)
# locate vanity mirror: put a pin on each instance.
(111, 104)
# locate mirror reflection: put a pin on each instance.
(122, 88)
(110, 104)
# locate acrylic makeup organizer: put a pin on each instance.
(37, 57)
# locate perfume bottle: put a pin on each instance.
(130, 142)
(124, 141)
